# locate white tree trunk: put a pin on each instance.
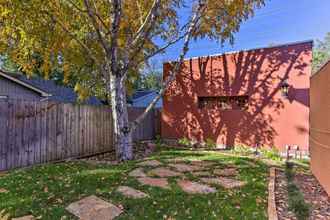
(121, 128)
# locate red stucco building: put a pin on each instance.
(257, 97)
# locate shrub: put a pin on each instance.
(271, 153)
(185, 142)
(210, 144)
(243, 150)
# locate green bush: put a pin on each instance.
(271, 153)
(297, 203)
(185, 142)
(289, 173)
(210, 144)
(243, 150)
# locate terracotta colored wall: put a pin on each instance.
(269, 120)
(320, 126)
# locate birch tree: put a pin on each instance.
(105, 43)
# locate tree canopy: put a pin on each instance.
(321, 53)
(63, 34)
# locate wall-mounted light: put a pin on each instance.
(285, 89)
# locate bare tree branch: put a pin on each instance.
(142, 34)
(152, 54)
(147, 24)
(177, 66)
(91, 14)
(99, 17)
(163, 48)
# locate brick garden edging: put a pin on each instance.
(272, 213)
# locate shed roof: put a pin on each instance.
(47, 88)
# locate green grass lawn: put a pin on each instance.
(44, 191)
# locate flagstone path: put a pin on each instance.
(94, 208)
(186, 167)
(138, 172)
(3, 190)
(194, 187)
(131, 193)
(163, 172)
(150, 163)
(202, 163)
(28, 217)
(201, 173)
(158, 182)
(224, 182)
(226, 172)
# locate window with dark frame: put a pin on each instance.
(223, 102)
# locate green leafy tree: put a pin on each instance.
(106, 43)
(321, 53)
(150, 79)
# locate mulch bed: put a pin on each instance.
(140, 151)
(314, 194)
(281, 197)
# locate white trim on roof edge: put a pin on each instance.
(245, 50)
(35, 89)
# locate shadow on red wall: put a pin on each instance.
(259, 74)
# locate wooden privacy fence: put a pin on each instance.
(33, 132)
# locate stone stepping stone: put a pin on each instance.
(227, 183)
(138, 172)
(195, 188)
(131, 193)
(201, 173)
(226, 172)
(2, 190)
(157, 182)
(27, 217)
(94, 208)
(176, 160)
(150, 163)
(163, 172)
(203, 163)
(186, 167)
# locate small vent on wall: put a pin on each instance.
(223, 102)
